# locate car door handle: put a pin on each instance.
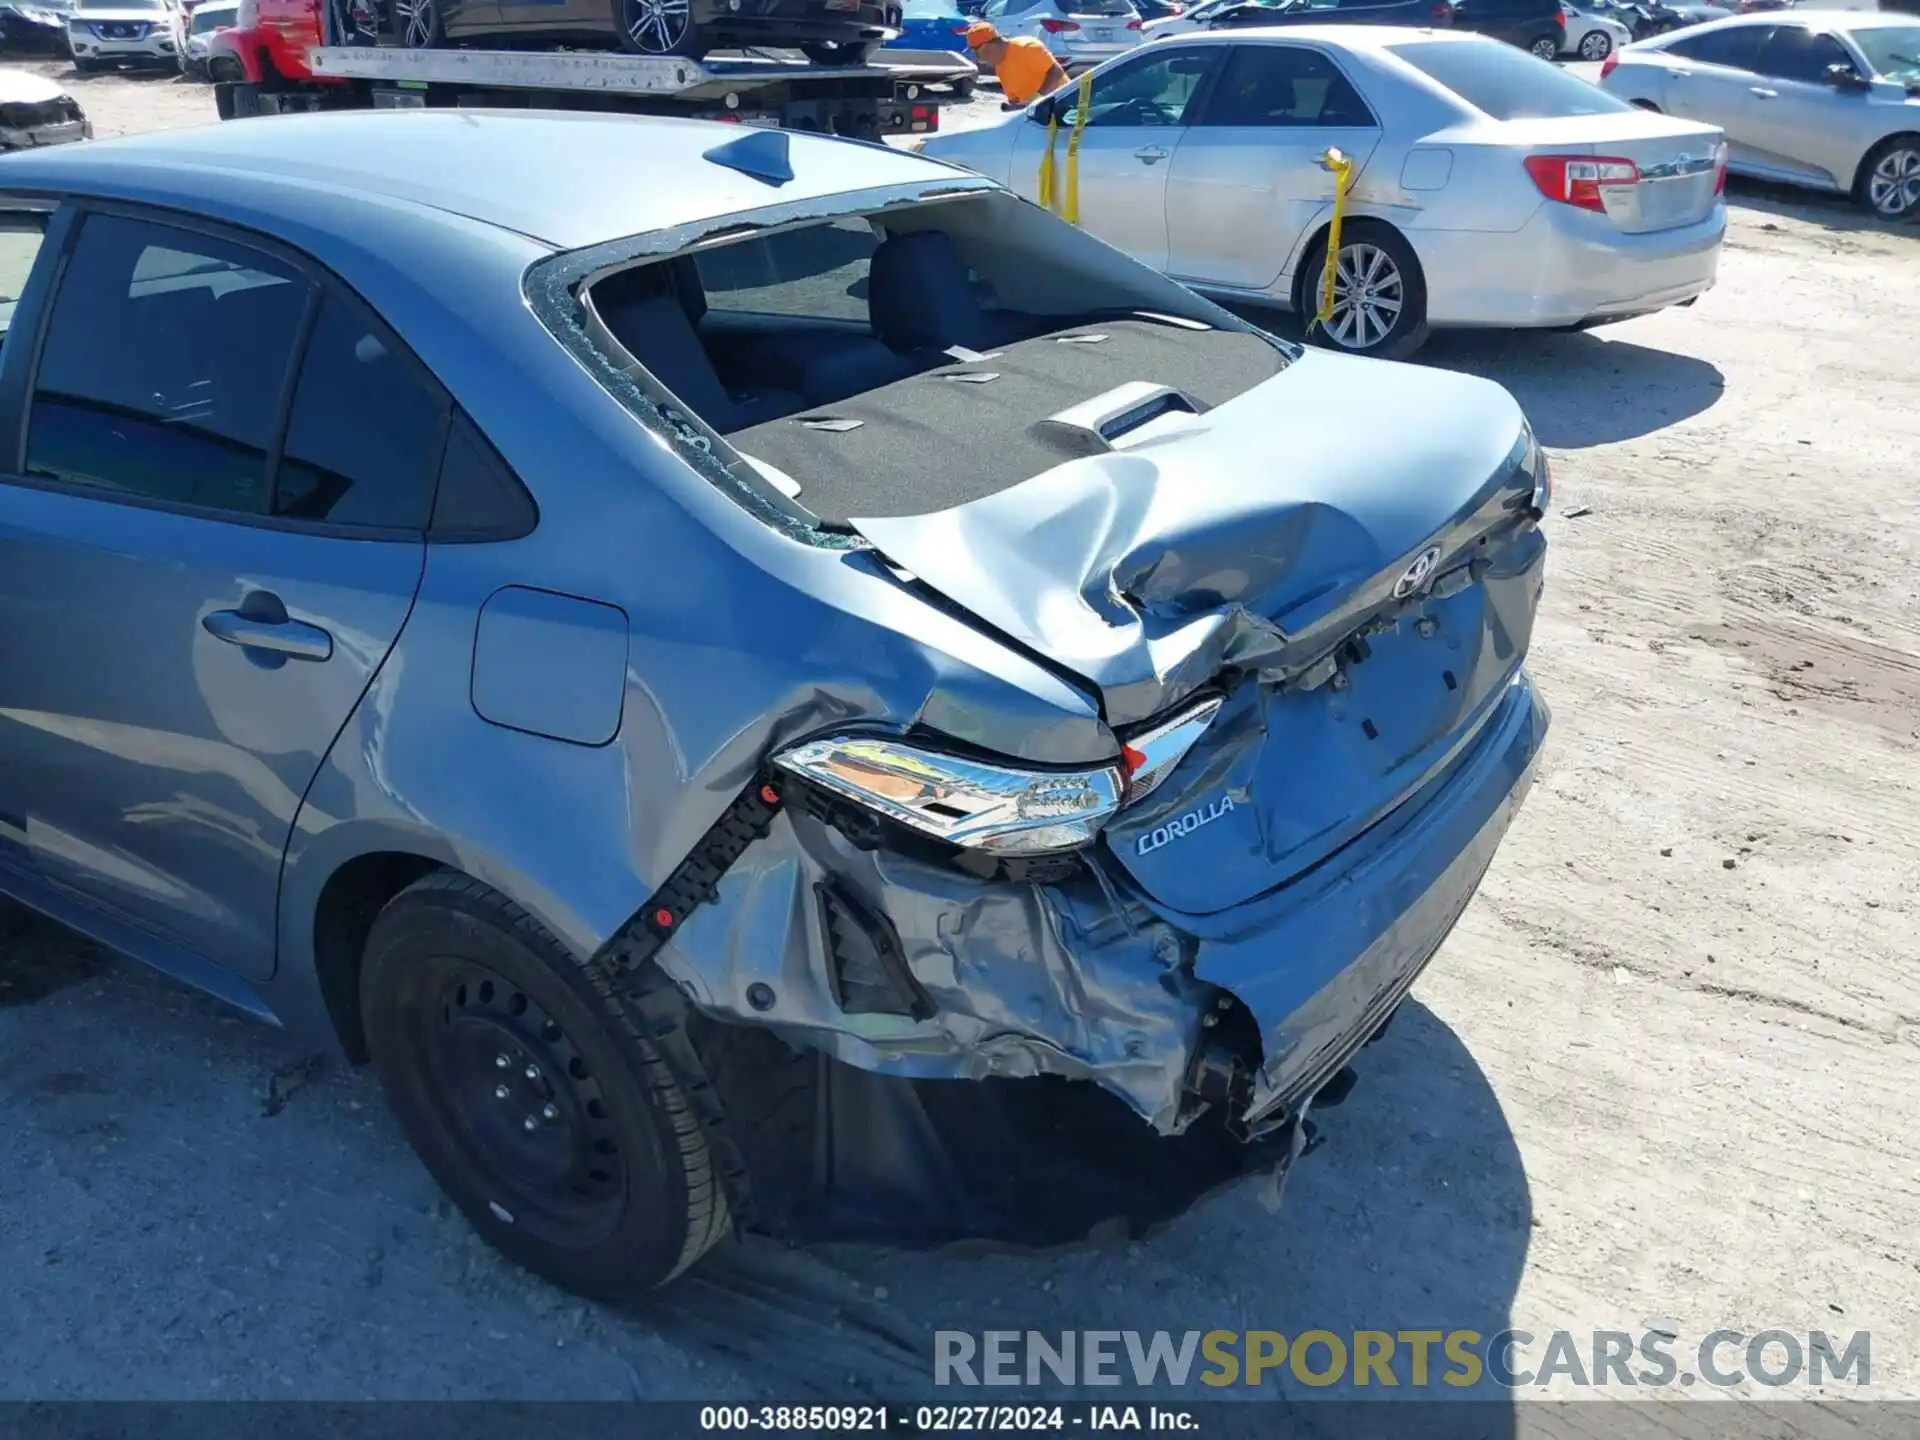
(256, 627)
(1763, 93)
(1150, 154)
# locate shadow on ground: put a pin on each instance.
(1814, 207)
(1582, 388)
(1579, 388)
(1412, 1214)
(175, 1170)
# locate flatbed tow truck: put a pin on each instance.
(283, 56)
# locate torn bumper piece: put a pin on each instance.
(889, 1044)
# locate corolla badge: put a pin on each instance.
(1182, 826)
(1415, 575)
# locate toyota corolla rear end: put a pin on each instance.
(1145, 921)
(1552, 202)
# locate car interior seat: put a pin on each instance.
(645, 312)
(921, 304)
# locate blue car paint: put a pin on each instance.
(930, 27)
(741, 637)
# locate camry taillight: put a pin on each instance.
(1577, 180)
(1720, 169)
(1442, 12)
(1133, 24)
(1611, 64)
(1058, 27)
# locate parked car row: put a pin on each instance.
(119, 34)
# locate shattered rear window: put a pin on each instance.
(845, 364)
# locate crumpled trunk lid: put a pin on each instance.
(1347, 549)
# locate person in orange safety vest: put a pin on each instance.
(1023, 66)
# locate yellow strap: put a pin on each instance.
(1071, 212)
(1342, 169)
(1068, 208)
(1046, 162)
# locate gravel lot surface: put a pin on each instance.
(1662, 1076)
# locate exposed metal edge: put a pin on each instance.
(592, 71)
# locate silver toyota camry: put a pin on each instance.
(1489, 188)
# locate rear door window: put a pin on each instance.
(1284, 87)
(1794, 53)
(1505, 83)
(1737, 47)
(166, 357)
(366, 431)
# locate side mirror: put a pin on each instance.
(1845, 77)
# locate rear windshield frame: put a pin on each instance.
(556, 289)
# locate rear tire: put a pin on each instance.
(532, 1097)
(1391, 321)
(1596, 45)
(1889, 179)
(1544, 47)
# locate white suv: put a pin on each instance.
(1080, 33)
(121, 32)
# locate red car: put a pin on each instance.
(267, 45)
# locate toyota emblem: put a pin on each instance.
(1418, 573)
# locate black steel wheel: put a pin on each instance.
(544, 1114)
(659, 27)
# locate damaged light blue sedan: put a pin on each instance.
(760, 680)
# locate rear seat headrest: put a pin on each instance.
(919, 295)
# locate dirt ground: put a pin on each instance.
(1662, 1077)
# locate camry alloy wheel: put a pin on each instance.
(1368, 295)
(1596, 45)
(416, 23)
(656, 27)
(1545, 47)
(1894, 187)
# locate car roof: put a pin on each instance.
(1343, 37)
(566, 179)
(1806, 19)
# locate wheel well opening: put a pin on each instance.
(1307, 278)
(1872, 157)
(354, 895)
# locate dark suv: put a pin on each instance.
(1538, 26)
(1335, 12)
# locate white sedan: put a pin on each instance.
(1489, 188)
(1591, 35)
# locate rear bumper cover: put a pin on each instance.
(1565, 266)
(1081, 981)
